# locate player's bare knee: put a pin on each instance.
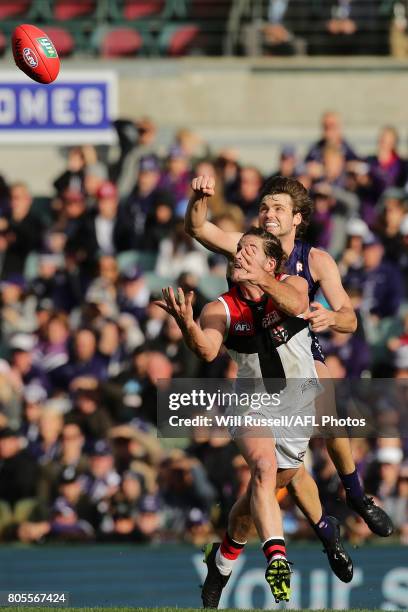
(263, 472)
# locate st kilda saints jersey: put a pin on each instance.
(264, 341)
(298, 265)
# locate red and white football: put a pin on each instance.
(35, 54)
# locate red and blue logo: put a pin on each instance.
(30, 57)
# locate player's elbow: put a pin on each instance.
(188, 228)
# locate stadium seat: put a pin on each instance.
(121, 42)
(178, 39)
(11, 9)
(31, 266)
(156, 282)
(62, 39)
(2, 43)
(64, 10)
(212, 286)
(145, 259)
(138, 9)
(182, 40)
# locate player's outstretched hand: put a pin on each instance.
(179, 306)
(203, 186)
(320, 318)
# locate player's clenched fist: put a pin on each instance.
(203, 185)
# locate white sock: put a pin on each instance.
(223, 564)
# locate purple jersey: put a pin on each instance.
(298, 265)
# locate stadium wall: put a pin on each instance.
(252, 105)
(169, 576)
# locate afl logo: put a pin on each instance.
(242, 327)
(30, 57)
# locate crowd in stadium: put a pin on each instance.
(83, 345)
(157, 28)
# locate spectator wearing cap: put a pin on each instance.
(145, 196)
(119, 525)
(72, 493)
(331, 134)
(382, 474)
(352, 254)
(24, 231)
(17, 308)
(136, 140)
(380, 280)
(95, 176)
(71, 216)
(150, 518)
(70, 455)
(22, 361)
(18, 472)
(134, 294)
(176, 177)
(103, 480)
(287, 163)
(198, 528)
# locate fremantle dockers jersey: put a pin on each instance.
(298, 265)
(264, 341)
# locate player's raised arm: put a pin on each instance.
(205, 340)
(342, 317)
(197, 225)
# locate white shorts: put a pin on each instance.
(291, 442)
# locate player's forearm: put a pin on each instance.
(196, 215)
(286, 298)
(197, 341)
(345, 320)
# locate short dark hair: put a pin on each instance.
(302, 203)
(271, 245)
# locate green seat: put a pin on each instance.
(156, 282)
(212, 286)
(145, 259)
(31, 266)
